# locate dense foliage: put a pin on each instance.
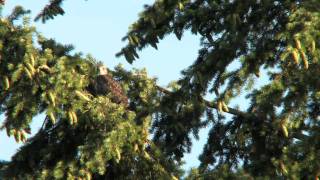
(83, 135)
(279, 38)
(276, 137)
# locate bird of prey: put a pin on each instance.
(104, 84)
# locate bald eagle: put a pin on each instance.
(104, 84)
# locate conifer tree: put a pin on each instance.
(278, 134)
(87, 132)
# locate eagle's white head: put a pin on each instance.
(103, 70)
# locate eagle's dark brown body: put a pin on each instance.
(107, 84)
(104, 84)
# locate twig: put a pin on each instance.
(211, 104)
(235, 112)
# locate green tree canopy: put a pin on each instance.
(84, 134)
(277, 136)
(279, 38)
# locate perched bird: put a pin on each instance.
(104, 84)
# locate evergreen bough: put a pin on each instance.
(277, 136)
(83, 135)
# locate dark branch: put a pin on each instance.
(235, 112)
(211, 104)
(50, 11)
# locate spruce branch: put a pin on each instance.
(212, 105)
(50, 11)
(235, 112)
